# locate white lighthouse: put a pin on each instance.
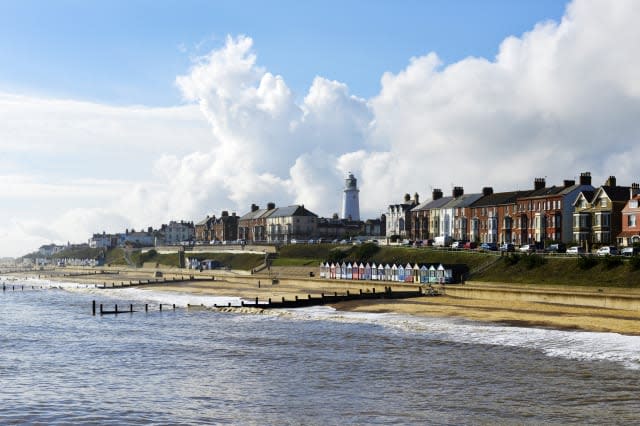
(350, 200)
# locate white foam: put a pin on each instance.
(578, 345)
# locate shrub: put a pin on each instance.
(611, 262)
(512, 258)
(533, 260)
(587, 262)
(364, 252)
(634, 262)
(336, 255)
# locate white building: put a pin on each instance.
(399, 216)
(350, 199)
(292, 222)
(177, 232)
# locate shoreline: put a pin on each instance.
(499, 303)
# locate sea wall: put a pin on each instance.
(575, 298)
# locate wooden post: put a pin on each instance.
(256, 301)
(116, 309)
(101, 309)
(161, 307)
(94, 308)
(146, 307)
(131, 307)
(174, 306)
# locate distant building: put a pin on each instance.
(50, 249)
(399, 216)
(630, 233)
(103, 240)
(178, 232)
(350, 199)
(252, 227)
(138, 238)
(292, 222)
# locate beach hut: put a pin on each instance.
(432, 274)
(367, 271)
(355, 271)
(343, 271)
(374, 272)
(394, 273)
(386, 272)
(361, 271)
(440, 274)
(408, 273)
(332, 271)
(321, 269)
(416, 273)
(424, 274)
(349, 274)
(400, 275)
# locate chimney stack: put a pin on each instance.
(539, 183)
(635, 189)
(407, 198)
(271, 206)
(458, 191)
(568, 183)
(585, 178)
(254, 208)
(487, 190)
(611, 181)
(416, 197)
(436, 194)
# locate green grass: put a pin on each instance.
(234, 261)
(290, 261)
(593, 271)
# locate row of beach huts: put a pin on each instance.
(422, 274)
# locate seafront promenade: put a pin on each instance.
(610, 309)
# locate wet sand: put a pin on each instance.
(488, 308)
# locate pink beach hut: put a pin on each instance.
(408, 273)
(355, 272)
(332, 271)
(361, 271)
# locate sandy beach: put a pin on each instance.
(543, 306)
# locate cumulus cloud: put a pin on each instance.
(559, 99)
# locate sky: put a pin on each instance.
(128, 114)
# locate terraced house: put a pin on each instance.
(630, 233)
(291, 223)
(598, 218)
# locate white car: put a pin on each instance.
(607, 251)
(575, 250)
(527, 248)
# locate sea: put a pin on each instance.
(60, 365)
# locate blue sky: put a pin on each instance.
(119, 114)
(129, 52)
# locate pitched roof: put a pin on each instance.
(464, 200)
(617, 193)
(432, 204)
(500, 198)
(294, 210)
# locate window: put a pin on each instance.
(603, 202)
(632, 221)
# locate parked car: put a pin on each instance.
(489, 246)
(575, 250)
(527, 248)
(630, 251)
(508, 247)
(469, 245)
(457, 244)
(556, 248)
(607, 250)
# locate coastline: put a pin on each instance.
(501, 303)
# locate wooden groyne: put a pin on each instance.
(328, 299)
(153, 281)
(127, 309)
